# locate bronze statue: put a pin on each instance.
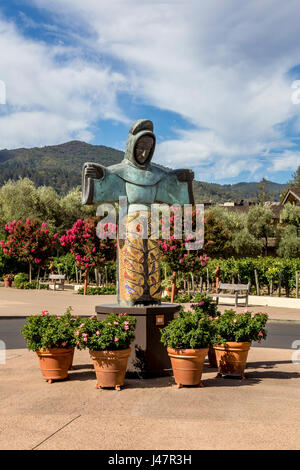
(144, 183)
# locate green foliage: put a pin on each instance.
(191, 330)
(20, 279)
(205, 305)
(115, 332)
(259, 223)
(289, 244)
(217, 236)
(232, 326)
(50, 331)
(104, 290)
(267, 268)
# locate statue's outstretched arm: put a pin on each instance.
(99, 184)
(184, 175)
(91, 171)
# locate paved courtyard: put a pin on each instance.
(261, 412)
(16, 302)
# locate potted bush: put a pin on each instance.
(187, 338)
(235, 333)
(108, 342)
(208, 306)
(53, 339)
(8, 279)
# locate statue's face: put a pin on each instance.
(143, 149)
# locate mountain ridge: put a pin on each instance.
(41, 164)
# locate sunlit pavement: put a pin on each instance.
(261, 412)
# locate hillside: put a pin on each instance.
(60, 166)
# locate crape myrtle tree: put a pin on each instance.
(90, 250)
(30, 242)
(176, 253)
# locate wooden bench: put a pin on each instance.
(237, 290)
(58, 277)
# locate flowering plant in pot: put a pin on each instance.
(52, 337)
(108, 342)
(187, 338)
(233, 338)
(8, 279)
(209, 307)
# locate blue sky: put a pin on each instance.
(215, 77)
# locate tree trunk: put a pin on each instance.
(173, 287)
(86, 280)
(30, 272)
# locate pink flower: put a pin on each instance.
(126, 327)
(245, 310)
(116, 323)
(260, 334)
(210, 318)
(97, 332)
(82, 324)
(77, 332)
(217, 318)
(44, 312)
(85, 340)
(259, 341)
(235, 320)
(91, 317)
(201, 303)
(84, 335)
(64, 344)
(116, 339)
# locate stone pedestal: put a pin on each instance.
(149, 356)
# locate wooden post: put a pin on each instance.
(106, 282)
(217, 273)
(256, 282)
(271, 287)
(173, 287)
(297, 284)
(201, 284)
(207, 280)
(76, 274)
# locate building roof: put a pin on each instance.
(292, 192)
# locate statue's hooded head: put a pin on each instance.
(140, 144)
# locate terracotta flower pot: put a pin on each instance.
(212, 357)
(7, 282)
(71, 359)
(232, 358)
(187, 365)
(55, 363)
(110, 367)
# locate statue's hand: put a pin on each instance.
(184, 175)
(93, 170)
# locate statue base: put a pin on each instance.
(149, 357)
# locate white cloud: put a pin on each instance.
(221, 65)
(51, 100)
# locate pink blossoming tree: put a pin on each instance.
(89, 250)
(30, 242)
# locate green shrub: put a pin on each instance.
(232, 326)
(115, 332)
(19, 279)
(191, 330)
(104, 290)
(50, 331)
